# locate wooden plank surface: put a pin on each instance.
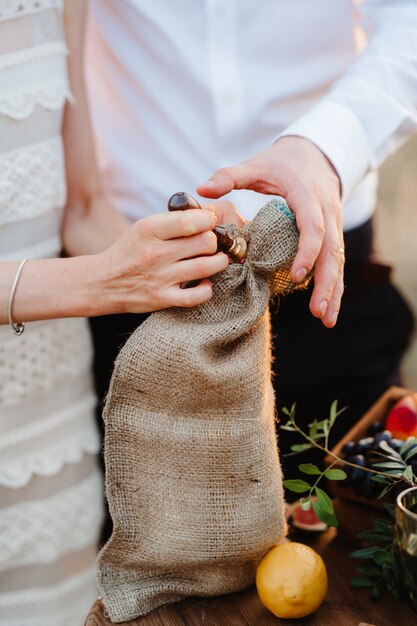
(344, 605)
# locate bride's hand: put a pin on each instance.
(141, 272)
(144, 269)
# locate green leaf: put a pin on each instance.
(301, 447)
(379, 523)
(380, 537)
(408, 473)
(324, 516)
(389, 465)
(394, 472)
(305, 504)
(382, 557)
(358, 581)
(335, 413)
(369, 569)
(365, 553)
(288, 427)
(287, 411)
(386, 490)
(324, 500)
(297, 485)
(313, 429)
(375, 593)
(390, 508)
(389, 577)
(408, 444)
(411, 453)
(384, 445)
(309, 468)
(335, 474)
(382, 479)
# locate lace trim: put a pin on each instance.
(42, 427)
(32, 181)
(50, 353)
(41, 531)
(9, 8)
(27, 55)
(19, 105)
(65, 449)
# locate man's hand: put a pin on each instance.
(296, 169)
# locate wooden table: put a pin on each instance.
(344, 605)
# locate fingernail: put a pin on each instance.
(301, 274)
(323, 308)
(333, 318)
(209, 183)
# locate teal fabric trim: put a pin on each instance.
(282, 206)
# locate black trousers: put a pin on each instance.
(354, 362)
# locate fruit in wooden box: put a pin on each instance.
(360, 445)
(402, 418)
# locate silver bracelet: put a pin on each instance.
(19, 327)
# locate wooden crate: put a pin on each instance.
(377, 412)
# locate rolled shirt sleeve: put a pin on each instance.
(372, 108)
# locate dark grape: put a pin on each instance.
(358, 474)
(385, 435)
(396, 444)
(372, 457)
(364, 445)
(348, 469)
(374, 428)
(349, 448)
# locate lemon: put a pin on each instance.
(291, 580)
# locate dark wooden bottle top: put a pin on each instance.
(236, 248)
(182, 201)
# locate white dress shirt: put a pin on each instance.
(180, 88)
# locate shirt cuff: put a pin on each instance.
(336, 131)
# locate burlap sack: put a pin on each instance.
(193, 477)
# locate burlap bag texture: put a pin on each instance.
(193, 477)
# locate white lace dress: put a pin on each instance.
(50, 486)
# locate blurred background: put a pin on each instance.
(396, 233)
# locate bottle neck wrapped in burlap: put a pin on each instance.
(193, 477)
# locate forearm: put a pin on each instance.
(90, 228)
(141, 272)
(371, 109)
(90, 223)
(53, 288)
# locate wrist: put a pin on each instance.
(56, 288)
(306, 148)
(103, 291)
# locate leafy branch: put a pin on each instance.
(318, 430)
(378, 561)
